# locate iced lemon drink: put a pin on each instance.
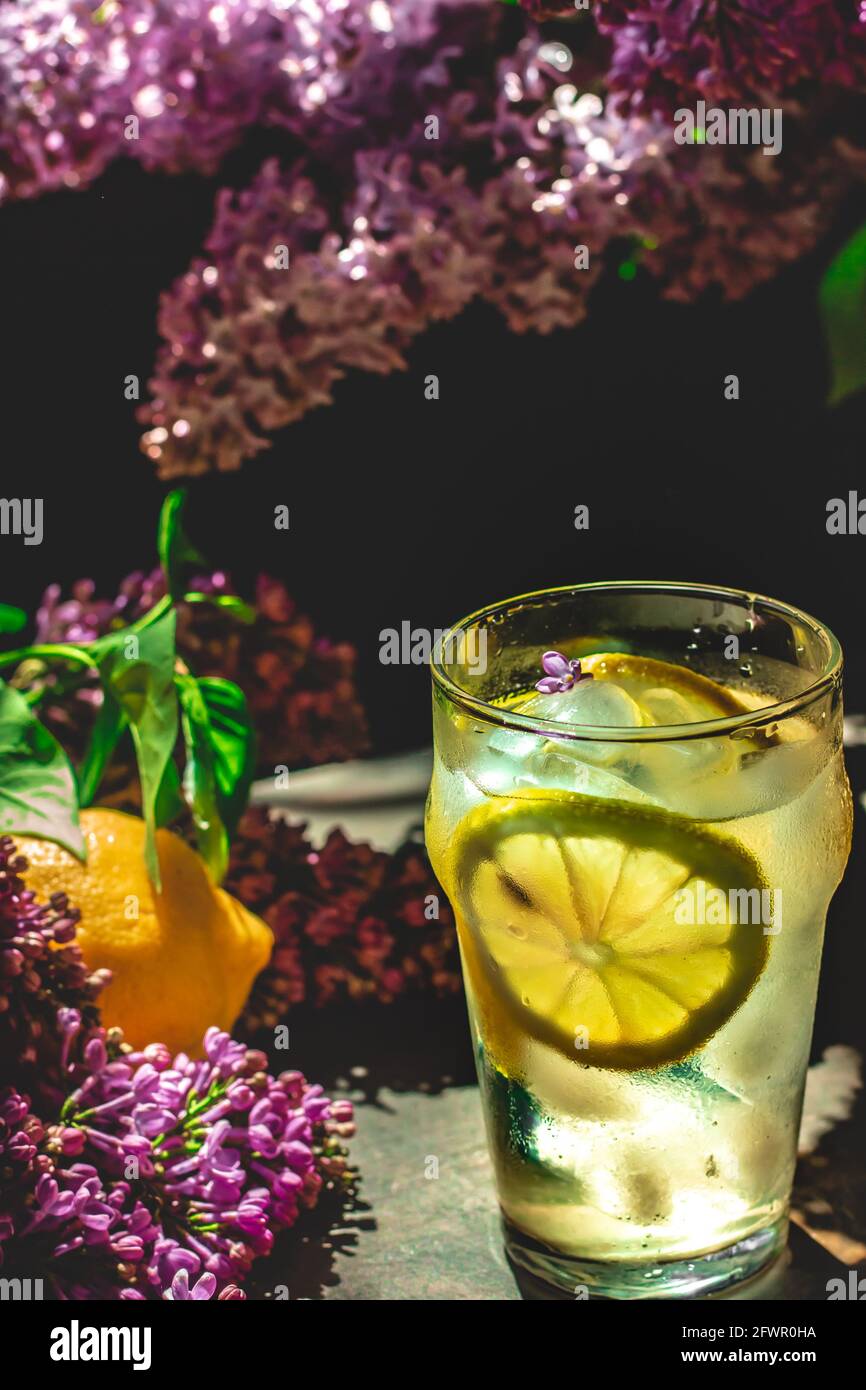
(640, 813)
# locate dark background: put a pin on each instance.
(407, 509)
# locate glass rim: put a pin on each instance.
(599, 733)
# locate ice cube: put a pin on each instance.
(665, 706)
(569, 767)
(603, 703)
(677, 769)
(507, 761)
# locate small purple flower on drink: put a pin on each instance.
(561, 674)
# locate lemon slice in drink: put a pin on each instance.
(663, 692)
(605, 929)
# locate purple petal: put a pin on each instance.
(549, 685)
(555, 664)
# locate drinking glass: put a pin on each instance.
(640, 859)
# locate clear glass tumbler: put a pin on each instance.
(640, 856)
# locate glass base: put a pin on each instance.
(700, 1277)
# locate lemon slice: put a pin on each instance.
(664, 693)
(574, 907)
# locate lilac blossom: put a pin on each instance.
(174, 85)
(47, 993)
(668, 51)
(61, 1220)
(547, 169)
(428, 163)
(560, 674)
(180, 1289)
(231, 1153)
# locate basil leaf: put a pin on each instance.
(37, 784)
(843, 310)
(200, 780)
(177, 554)
(234, 743)
(137, 670)
(109, 725)
(12, 619)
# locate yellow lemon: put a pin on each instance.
(181, 960)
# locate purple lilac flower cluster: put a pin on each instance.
(349, 921)
(228, 1154)
(668, 51)
(440, 164)
(174, 86)
(501, 214)
(138, 1174)
(225, 1155)
(61, 1220)
(47, 992)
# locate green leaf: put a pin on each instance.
(843, 310)
(200, 779)
(234, 742)
(220, 761)
(107, 731)
(169, 799)
(12, 619)
(37, 784)
(177, 554)
(137, 670)
(109, 725)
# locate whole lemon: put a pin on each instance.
(182, 959)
